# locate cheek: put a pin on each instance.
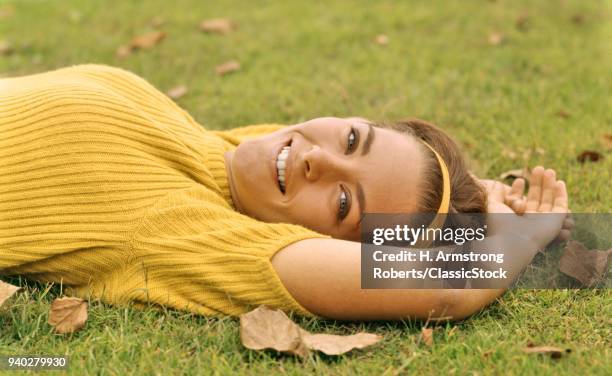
(309, 210)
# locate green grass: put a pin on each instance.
(310, 59)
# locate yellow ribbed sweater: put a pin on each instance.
(109, 187)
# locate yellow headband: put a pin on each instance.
(445, 202)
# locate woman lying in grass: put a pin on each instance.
(110, 188)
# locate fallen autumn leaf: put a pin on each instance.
(147, 40)
(554, 352)
(522, 21)
(68, 314)
(563, 114)
(228, 67)
(5, 48)
(143, 41)
(217, 25)
(332, 344)
(177, 92)
(382, 39)
(496, 39)
(427, 336)
(606, 139)
(6, 291)
(123, 51)
(589, 156)
(587, 266)
(264, 328)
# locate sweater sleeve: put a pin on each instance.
(237, 135)
(192, 255)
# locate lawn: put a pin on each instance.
(517, 83)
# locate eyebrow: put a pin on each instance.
(368, 141)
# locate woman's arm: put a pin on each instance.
(324, 275)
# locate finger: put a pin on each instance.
(518, 188)
(519, 205)
(560, 204)
(548, 191)
(535, 189)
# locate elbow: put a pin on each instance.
(459, 304)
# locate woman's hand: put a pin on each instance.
(547, 195)
(503, 198)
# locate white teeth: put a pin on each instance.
(281, 165)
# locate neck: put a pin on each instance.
(228, 155)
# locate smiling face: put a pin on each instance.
(324, 173)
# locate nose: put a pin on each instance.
(318, 163)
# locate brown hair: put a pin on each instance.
(467, 195)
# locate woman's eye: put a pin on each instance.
(343, 205)
(352, 140)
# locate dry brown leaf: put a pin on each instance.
(67, 314)
(147, 40)
(382, 39)
(143, 41)
(217, 25)
(496, 38)
(123, 51)
(554, 352)
(563, 114)
(332, 344)
(524, 173)
(427, 336)
(522, 21)
(587, 266)
(577, 19)
(6, 291)
(177, 91)
(227, 67)
(606, 139)
(5, 47)
(589, 156)
(264, 328)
